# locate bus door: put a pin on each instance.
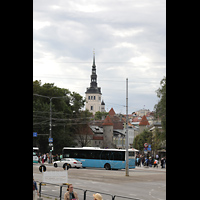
(131, 159)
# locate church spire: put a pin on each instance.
(94, 75)
(93, 57)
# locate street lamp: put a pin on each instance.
(50, 125)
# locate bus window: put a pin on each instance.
(131, 153)
(118, 155)
(105, 155)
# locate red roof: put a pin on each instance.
(144, 121)
(112, 112)
(117, 123)
(107, 121)
(135, 119)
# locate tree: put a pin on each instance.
(65, 114)
(144, 137)
(99, 115)
(160, 108)
(82, 131)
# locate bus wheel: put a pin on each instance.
(107, 166)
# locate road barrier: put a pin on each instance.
(83, 194)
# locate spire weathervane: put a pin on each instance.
(94, 57)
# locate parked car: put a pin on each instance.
(71, 162)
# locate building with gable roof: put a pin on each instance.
(108, 132)
(93, 93)
(143, 124)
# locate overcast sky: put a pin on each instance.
(129, 38)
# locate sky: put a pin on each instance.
(129, 40)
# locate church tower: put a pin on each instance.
(93, 93)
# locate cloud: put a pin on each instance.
(129, 38)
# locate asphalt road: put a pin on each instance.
(142, 183)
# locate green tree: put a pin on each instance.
(144, 137)
(99, 115)
(160, 108)
(65, 114)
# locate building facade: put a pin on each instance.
(93, 93)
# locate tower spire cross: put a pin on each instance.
(93, 57)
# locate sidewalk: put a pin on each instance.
(152, 168)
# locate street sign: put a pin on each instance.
(145, 144)
(149, 145)
(34, 134)
(149, 149)
(50, 144)
(50, 139)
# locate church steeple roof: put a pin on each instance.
(144, 121)
(107, 121)
(94, 59)
(93, 84)
(112, 112)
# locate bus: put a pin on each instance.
(35, 154)
(101, 158)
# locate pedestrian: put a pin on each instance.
(35, 189)
(45, 157)
(143, 160)
(150, 162)
(70, 194)
(157, 157)
(138, 160)
(155, 163)
(97, 196)
(162, 161)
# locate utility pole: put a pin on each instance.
(50, 121)
(127, 154)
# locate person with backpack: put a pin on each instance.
(35, 189)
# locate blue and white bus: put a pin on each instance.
(101, 158)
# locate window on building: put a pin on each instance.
(91, 97)
(99, 98)
(91, 108)
(94, 97)
(88, 97)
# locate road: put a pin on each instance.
(142, 183)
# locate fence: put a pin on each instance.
(82, 194)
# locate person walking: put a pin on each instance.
(97, 196)
(35, 189)
(70, 194)
(162, 161)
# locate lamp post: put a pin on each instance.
(50, 124)
(127, 154)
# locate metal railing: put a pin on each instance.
(83, 194)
